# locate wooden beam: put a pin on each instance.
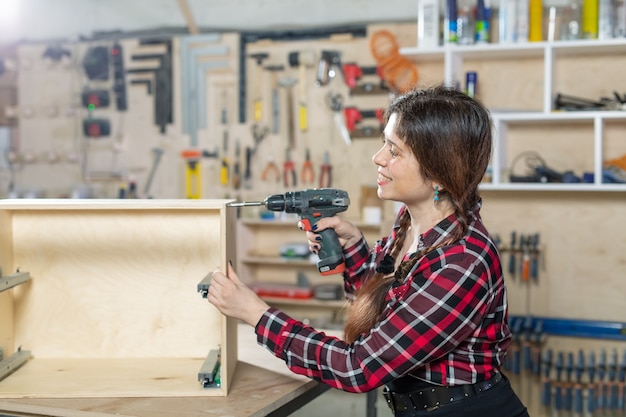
(191, 24)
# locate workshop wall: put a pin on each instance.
(45, 20)
(582, 244)
(55, 156)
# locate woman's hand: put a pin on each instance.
(347, 233)
(234, 299)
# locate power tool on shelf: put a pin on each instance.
(312, 204)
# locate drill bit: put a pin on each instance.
(246, 204)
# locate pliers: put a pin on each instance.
(270, 169)
(307, 175)
(289, 170)
(326, 172)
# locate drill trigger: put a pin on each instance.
(306, 224)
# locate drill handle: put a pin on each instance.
(331, 254)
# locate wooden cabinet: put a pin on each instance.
(110, 307)
(519, 83)
(260, 263)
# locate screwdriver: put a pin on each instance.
(512, 255)
(525, 247)
(534, 265)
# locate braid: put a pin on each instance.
(366, 309)
(461, 214)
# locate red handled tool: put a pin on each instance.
(307, 175)
(270, 170)
(353, 73)
(289, 171)
(326, 172)
(354, 116)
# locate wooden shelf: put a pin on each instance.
(276, 261)
(313, 302)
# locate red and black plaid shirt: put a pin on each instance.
(447, 323)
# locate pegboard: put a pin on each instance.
(54, 159)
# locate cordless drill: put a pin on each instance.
(310, 205)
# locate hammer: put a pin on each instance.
(302, 60)
(288, 83)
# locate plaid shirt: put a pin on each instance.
(446, 324)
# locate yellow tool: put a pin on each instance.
(258, 98)
(225, 166)
(302, 60)
(193, 178)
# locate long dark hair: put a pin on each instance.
(450, 135)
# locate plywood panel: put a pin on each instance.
(76, 378)
(112, 307)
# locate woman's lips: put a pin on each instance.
(381, 179)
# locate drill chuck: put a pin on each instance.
(275, 202)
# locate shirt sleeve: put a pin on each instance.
(437, 308)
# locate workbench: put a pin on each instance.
(261, 386)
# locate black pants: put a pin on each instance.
(499, 401)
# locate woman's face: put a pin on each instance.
(399, 177)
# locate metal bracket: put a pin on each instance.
(13, 362)
(13, 280)
(203, 286)
(208, 374)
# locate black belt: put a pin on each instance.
(436, 396)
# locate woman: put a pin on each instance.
(428, 317)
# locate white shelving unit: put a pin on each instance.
(454, 56)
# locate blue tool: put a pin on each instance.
(558, 396)
(546, 390)
(569, 368)
(591, 392)
(601, 395)
(578, 388)
(621, 379)
(516, 329)
(527, 354)
(538, 336)
(534, 262)
(613, 389)
(512, 269)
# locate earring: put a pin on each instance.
(436, 198)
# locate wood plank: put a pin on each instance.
(255, 392)
(88, 378)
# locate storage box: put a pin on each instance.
(111, 308)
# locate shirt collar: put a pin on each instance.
(443, 229)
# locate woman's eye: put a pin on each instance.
(392, 151)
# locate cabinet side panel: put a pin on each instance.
(6, 297)
(229, 325)
(115, 284)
